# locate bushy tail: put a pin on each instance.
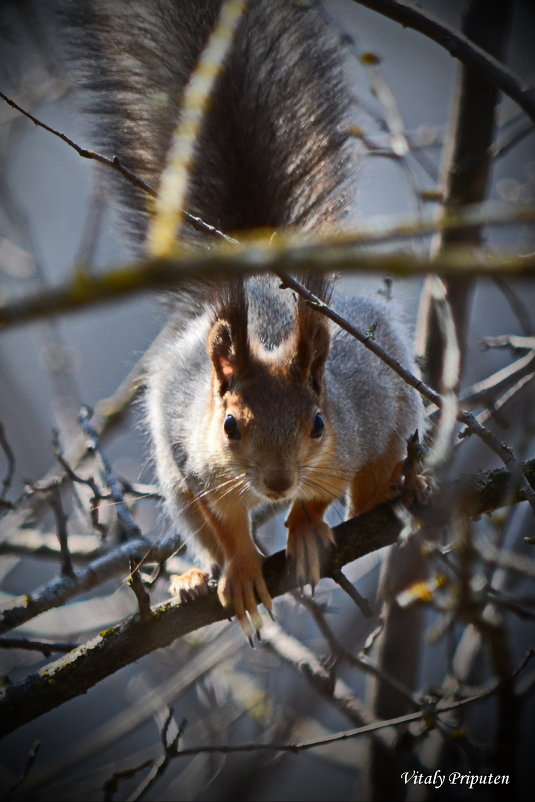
(274, 149)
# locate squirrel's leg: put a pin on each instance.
(308, 538)
(242, 583)
(194, 583)
(379, 480)
(390, 477)
(226, 536)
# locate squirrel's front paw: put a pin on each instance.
(308, 541)
(190, 585)
(240, 588)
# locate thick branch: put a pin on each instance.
(89, 290)
(467, 165)
(121, 645)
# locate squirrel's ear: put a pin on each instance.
(311, 348)
(227, 353)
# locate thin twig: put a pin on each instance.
(10, 457)
(361, 662)
(136, 583)
(109, 412)
(484, 391)
(131, 529)
(343, 582)
(46, 647)
(520, 309)
(292, 652)
(511, 140)
(112, 784)
(429, 713)
(27, 768)
(63, 536)
(170, 750)
(512, 341)
(450, 374)
(97, 497)
(504, 452)
(511, 392)
(459, 47)
(115, 164)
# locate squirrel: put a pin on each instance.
(253, 396)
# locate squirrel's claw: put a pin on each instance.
(306, 546)
(189, 586)
(240, 588)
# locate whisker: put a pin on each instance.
(323, 482)
(229, 483)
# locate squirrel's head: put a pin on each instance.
(269, 406)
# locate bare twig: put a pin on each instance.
(496, 406)
(63, 537)
(109, 412)
(504, 452)
(292, 652)
(27, 768)
(429, 713)
(467, 166)
(459, 47)
(136, 583)
(94, 502)
(112, 784)
(128, 524)
(115, 164)
(449, 380)
(520, 309)
(10, 457)
(485, 391)
(63, 588)
(288, 251)
(170, 750)
(174, 180)
(509, 141)
(512, 341)
(46, 647)
(363, 604)
(361, 662)
(128, 641)
(33, 543)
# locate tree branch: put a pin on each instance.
(115, 164)
(156, 274)
(123, 644)
(460, 47)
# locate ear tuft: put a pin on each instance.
(227, 353)
(311, 346)
(227, 345)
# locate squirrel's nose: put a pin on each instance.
(278, 480)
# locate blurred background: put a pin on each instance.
(55, 213)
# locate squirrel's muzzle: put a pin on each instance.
(278, 481)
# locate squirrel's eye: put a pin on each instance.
(231, 428)
(318, 427)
